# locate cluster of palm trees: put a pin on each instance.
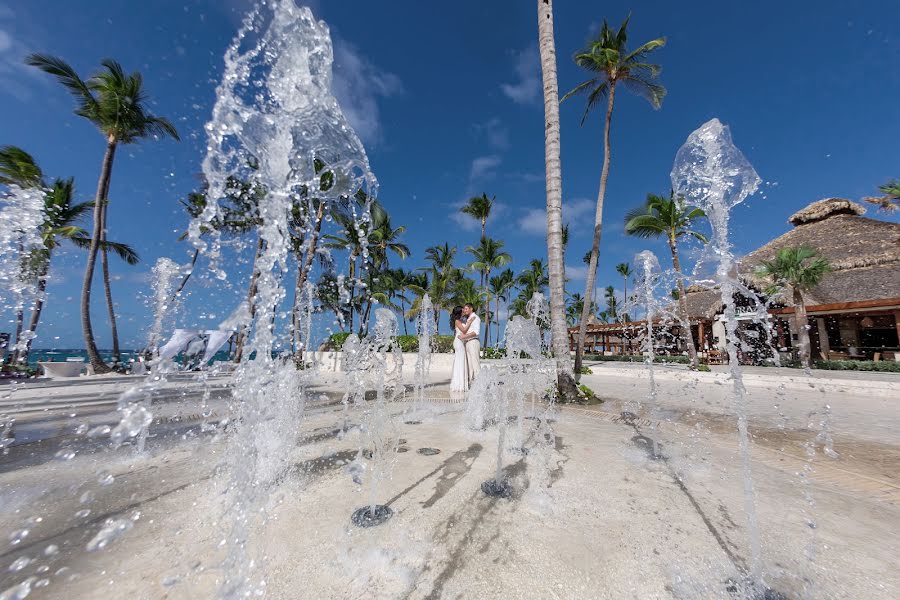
(115, 102)
(370, 278)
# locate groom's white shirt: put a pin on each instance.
(475, 325)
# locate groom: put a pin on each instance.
(472, 344)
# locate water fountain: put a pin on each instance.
(424, 331)
(648, 281)
(377, 432)
(523, 372)
(712, 173)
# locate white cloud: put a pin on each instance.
(464, 222)
(15, 76)
(534, 222)
(358, 86)
(483, 166)
(495, 132)
(576, 272)
(575, 212)
(527, 87)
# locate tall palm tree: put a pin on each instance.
(488, 256)
(673, 219)
(402, 280)
(500, 286)
(612, 303)
(479, 208)
(800, 269)
(441, 276)
(553, 187)
(59, 225)
(465, 291)
(116, 104)
(624, 269)
(611, 64)
(889, 201)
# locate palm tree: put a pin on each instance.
(624, 269)
(479, 208)
(533, 279)
(441, 278)
(17, 167)
(889, 201)
(500, 286)
(611, 64)
(672, 218)
(801, 269)
(60, 217)
(402, 281)
(488, 256)
(612, 303)
(466, 292)
(116, 104)
(553, 187)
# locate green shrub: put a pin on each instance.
(336, 341)
(587, 395)
(493, 352)
(704, 368)
(442, 344)
(858, 365)
(681, 360)
(585, 370)
(408, 343)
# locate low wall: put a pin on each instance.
(440, 363)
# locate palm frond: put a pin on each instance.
(65, 74)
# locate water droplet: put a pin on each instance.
(82, 513)
(105, 478)
(19, 564)
(51, 550)
(65, 454)
(17, 536)
(87, 497)
(18, 591)
(112, 529)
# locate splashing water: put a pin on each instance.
(21, 216)
(164, 273)
(274, 117)
(424, 331)
(712, 173)
(648, 281)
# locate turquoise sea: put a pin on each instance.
(61, 354)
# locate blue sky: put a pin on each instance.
(447, 98)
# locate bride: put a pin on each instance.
(459, 381)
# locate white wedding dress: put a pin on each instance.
(459, 380)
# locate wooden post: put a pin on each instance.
(824, 346)
(701, 335)
(897, 324)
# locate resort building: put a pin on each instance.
(854, 313)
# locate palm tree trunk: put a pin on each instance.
(110, 307)
(487, 309)
(303, 272)
(800, 324)
(403, 315)
(598, 229)
(185, 279)
(553, 180)
(626, 339)
(36, 313)
(682, 304)
(251, 297)
(497, 314)
(103, 185)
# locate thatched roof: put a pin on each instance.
(864, 253)
(703, 303)
(825, 208)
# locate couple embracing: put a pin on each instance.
(466, 347)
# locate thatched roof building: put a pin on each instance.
(864, 253)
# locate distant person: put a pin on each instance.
(459, 379)
(472, 343)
